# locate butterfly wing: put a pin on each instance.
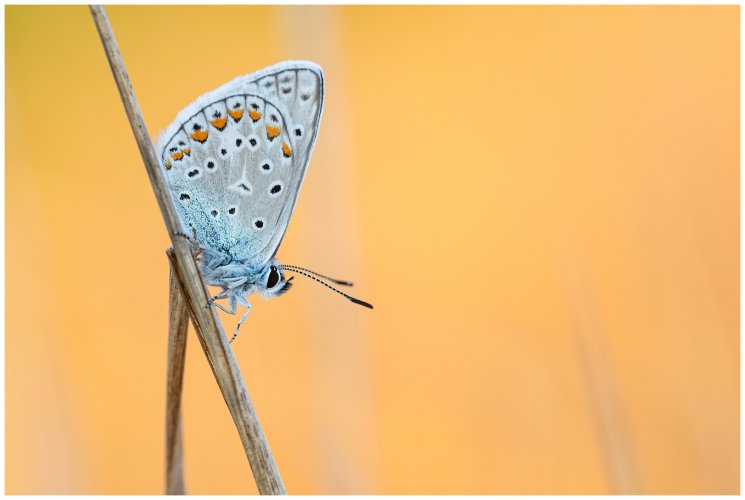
(235, 159)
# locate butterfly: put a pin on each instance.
(234, 161)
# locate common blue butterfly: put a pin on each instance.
(234, 161)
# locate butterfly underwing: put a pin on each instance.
(234, 161)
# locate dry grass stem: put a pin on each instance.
(178, 324)
(208, 328)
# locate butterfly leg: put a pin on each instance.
(188, 237)
(219, 296)
(195, 248)
(231, 304)
(213, 259)
(191, 239)
(244, 302)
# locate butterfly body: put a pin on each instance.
(234, 161)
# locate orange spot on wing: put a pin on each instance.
(236, 113)
(187, 151)
(272, 131)
(199, 135)
(255, 115)
(168, 165)
(286, 150)
(177, 155)
(219, 123)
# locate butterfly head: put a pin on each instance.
(272, 282)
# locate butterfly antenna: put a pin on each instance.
(332, 280)
(300, 270)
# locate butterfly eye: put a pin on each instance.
(273, 279)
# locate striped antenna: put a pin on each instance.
(312, 275)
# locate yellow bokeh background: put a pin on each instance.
(542, 203)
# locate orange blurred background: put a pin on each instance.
(540, 201)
